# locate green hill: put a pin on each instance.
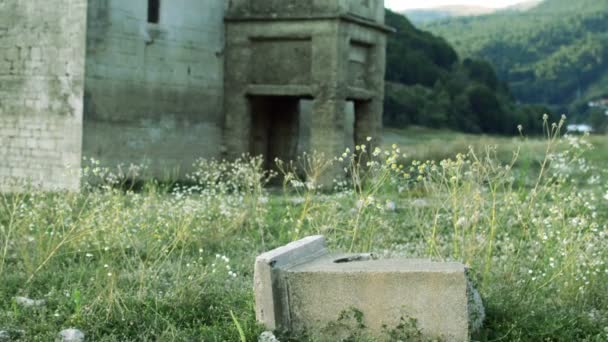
(428, 85)
(428, 15)
(555, 53)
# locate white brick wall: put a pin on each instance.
(42, 50)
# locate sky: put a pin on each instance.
(398, 5)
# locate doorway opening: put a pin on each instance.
(275, 128)
(363, 122)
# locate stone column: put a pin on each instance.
(328, 113)
(237, 108)
(368, 114)
(42, 59)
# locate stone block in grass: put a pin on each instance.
(304, 289)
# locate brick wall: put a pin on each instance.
(42, 51)
(154, 92)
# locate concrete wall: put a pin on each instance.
(339, 64)
(42, 44)
(368, 9)
(154, 92)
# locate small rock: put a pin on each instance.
(29, 303)
(477, 312)
(297, 200)
(420, 203)
(10, 335)
(390, 206)
(267, 336)
(71, 335)
(360, 204)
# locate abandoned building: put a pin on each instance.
(164, 83)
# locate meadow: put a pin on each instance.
(125, 261)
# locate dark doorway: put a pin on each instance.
(363, 122)
(275, 128)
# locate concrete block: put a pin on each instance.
(269, 306)
(303, 288)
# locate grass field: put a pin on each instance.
(175, 263)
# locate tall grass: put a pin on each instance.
(174, 262)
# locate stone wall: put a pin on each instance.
(333, 64)
(42, 44)
(154, 91)
(372, 10)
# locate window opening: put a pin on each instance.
(153, 11)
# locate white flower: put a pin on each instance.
(369, 138)
(606, 196)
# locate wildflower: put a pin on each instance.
(369, 139)
(606, 196)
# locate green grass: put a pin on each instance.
(175, 264)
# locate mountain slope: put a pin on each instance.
(427, 85)
(433, 14)
(551, 54)
(428, 15)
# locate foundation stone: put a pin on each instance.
(303, 288)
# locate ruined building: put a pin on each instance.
(165, 82)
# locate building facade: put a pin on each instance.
(163, 83)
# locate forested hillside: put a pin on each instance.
(555, 53)
(428, 15)
(428, 85)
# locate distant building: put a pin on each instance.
(580, 129)
(599, 103)
(166, 82)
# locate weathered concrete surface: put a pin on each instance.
(331, 53)
(370, 9)
(435, 294)
(270, 303)
(307, 294)
(154, 91)
(42, 56)
(276, 78)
